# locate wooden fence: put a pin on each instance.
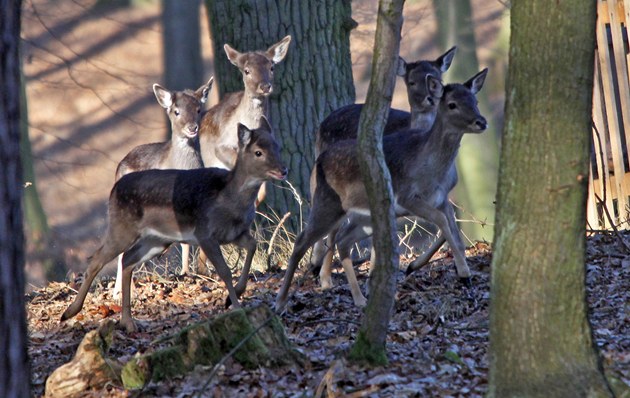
(609, 181)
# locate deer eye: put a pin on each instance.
(271, 69)
(176, 112)
(411, 84)
(198, 110)
(246, 71)
(452, 106)
(258, 154)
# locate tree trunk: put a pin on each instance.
(540, 338)
(477, 162)
(183, 67)
(314, 79)
(370, 344)
(14, 370)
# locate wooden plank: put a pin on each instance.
(601, 145)
(610, 105)
(623, 87)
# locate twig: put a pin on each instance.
(612, 224)
(275, 232)
(216, 367)
(334, 320)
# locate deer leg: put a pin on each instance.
(104, 254)
(143, 250)
(346, 262)
(185, 258)
(247, 242)
(213, 251)
(118, 284)
(439, 218)
(202, 263)
(318, 254)
(325, 271)
(315, 230)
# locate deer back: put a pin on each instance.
(343, 123)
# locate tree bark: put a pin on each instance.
(477, 162)
(540, 338)
(370, 344)
(14, 369)
(183, 66)
(314, 79)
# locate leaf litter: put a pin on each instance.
(437, 344)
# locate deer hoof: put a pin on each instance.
(466, 281)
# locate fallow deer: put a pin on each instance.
(183, 109)
(149, 210)
(418, 164)
(343, 124)
(248, 107)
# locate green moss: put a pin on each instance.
(167, 363)
(201, 345)
(230, 329)
(136, 373)
(363, 352)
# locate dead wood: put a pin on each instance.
(89, 369)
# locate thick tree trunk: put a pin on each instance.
(370, 344)
(14, 370)
(477, 162)
(183, 67)
(540, 339)
(314, 78)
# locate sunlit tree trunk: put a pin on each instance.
(370, 343)
(14, 370)
(314, 79)
(477, 162)
(540, 337)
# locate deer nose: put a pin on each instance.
(284, 171)
(192, 128)
(266, 88)
(481, 124)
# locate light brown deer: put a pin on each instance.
(183, 109)
(209, 207)
(419, 165)
(248, 107)
(343, 124)
(217, 136)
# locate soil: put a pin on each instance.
(437, 344)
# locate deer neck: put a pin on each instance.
(242, 188)
(251, 109)
(421, 120)
(442, 146)
(184, 153)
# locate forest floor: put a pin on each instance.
(437, 344)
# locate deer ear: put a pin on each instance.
(232, 54)
(203, 91)
(445, 60)
(244, 135)
(434, 86)
(401, 69)
(164, 97)
(264, 125)
(476, 82)
(278, 51)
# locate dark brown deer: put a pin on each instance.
(209, 207)
(248, 107)
(418, 164)
(183, 109)
(343, 124)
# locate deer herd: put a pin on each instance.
(202, 187)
